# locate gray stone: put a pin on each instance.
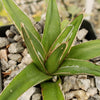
(79, 94)
(27, 95)
(97, 97)
(97, 81)
(13, 74)
(69, 83)
(27, 59)
(81, 34)
(96, 59)
(12, 63)
(25, 52)
(39, 27)
(91, 92)
(97, 63)
(15, 57)
(11, 40)
(14, 30)
(82, 76)
(83, 83)
(4, 65)
(17, 37)
(15, 48)
(92, 82)
(9, 34)
(36, 96)
(21, 65)
(3, 42)
(85, 40)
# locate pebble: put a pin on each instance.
(25, 52)
(96, 97)
(96, 59)
(79, 94)
(97, 81)
(3, 54)
(69, 83)
(13, 74)
(12, 63)
(36, 96)
(11, 40)
(81, 34)
(4, 65)
(14, 30)
(15, 48)
(17, 37)
(27, 95)
(15, 57)
(83, 83)
(22, 65)
(91, 92)
(92, 82)
(27, 59)
(9, 34)
(82, 76)
(97, 63)
(3, 42)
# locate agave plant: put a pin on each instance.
(52, 54)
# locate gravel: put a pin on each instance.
(15, 57)
(15, 48)
(3, 42)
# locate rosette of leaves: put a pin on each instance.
(52, 54)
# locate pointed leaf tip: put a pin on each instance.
(34, 47)
(18, 16)
(52, 25)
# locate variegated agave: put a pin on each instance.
(52, 54)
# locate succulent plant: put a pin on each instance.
(52, 53)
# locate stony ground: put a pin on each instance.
(14, 56)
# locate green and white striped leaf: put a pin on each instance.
(63, 37)
(52, 62)
(52, 91)
(71, 36)
(34, 47)
(52, 25)
(19, 17)
(85, 50)
(27, 78)
(76, 67)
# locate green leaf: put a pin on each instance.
(52, 91)
(30, 76)
(64, 23)
(75, 67)
(63, 37)
(1, 6)
(52, 62)
(85, 50)
(34, 47)
(52, 25)
(19, 17)
(68, 36)
(71, 36)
